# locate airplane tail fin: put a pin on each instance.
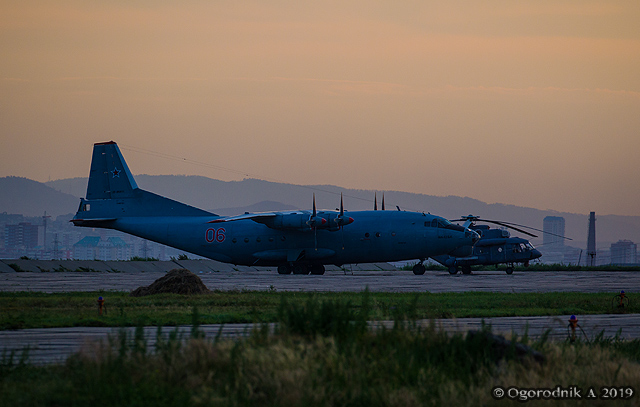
(112, 194)
(109, 177)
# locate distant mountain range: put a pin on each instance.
(32, 198)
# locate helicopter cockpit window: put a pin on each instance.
(529, 246)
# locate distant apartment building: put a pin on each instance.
(86, 248)
(114, 248)
(624, 252)
(22, 235)
(96, 248)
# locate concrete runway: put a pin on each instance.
(54, 345)
(396, 281)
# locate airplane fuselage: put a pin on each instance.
(374, 236)
(288, 239)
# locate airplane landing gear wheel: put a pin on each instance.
(466, 270)
(300, 269)
(317, 269)
(509, 270)
(419, 269)
(284, 269)
(453, 270)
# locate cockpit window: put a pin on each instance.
(434, 223)
(443, 223)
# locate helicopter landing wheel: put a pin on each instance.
(466, 269)
(509, 270)
(419, 269)
(453, 270)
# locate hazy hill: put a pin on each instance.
(32, 198)
(254, 195)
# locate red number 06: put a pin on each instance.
(213, 235)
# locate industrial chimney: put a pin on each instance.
(591, 240)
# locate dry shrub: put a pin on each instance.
(177, 281)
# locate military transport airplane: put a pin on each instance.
(301, 242)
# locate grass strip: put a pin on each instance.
(19, 310)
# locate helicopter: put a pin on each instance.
(496, 246)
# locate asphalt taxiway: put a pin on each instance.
(337, 280)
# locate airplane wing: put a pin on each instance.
(261, 217)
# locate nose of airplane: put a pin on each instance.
(473, 235)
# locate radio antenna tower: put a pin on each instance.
(591, 240)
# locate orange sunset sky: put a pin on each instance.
(532, 103)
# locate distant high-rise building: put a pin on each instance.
(553, 227)
(624, 252)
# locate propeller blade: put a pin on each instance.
(314, 205)
(375, 201)
(341, 205)
(383, 201)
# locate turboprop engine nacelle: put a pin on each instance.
(299, 221)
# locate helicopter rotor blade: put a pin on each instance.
(510, 227)
(473, 219)
(532, 228)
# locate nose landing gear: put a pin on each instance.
(419, 269)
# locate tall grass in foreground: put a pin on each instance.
(322, 354)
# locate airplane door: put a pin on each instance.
(366, 244)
